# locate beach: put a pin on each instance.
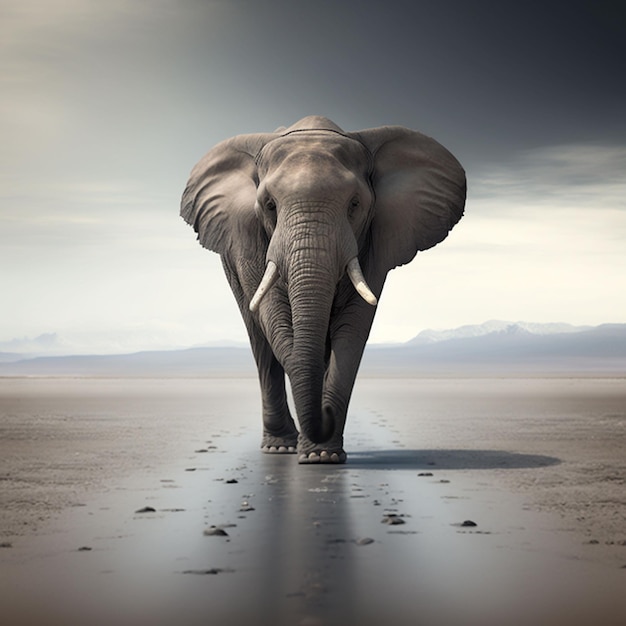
(473, 501)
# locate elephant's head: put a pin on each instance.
(296, 211)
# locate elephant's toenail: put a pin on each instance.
(334, 457)
(313, 457)
(324, 456)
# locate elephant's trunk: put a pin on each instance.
(312, 273)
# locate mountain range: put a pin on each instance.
(495, 347)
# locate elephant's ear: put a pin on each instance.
(219, 198)
(420, 193)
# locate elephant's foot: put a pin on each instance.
(273, 444)
(310, 453)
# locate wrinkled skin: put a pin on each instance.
(309, 199)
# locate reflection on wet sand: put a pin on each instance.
(313, 545)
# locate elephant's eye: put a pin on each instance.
(270, 205)
(353, 207)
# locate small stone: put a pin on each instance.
(210, 572)
(85, 549)
(232, 481)
(190, 469)
(469, 524)
(146, 509)
(364, 541)
(246, 507)
(393, 520)
(215, 531)
(6, 544)
(425, 474)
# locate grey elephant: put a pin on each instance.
(308, 220)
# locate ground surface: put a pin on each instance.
(537, 465)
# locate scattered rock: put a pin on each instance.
(85, 549)
(215, 531)
(364, 541)
(6, 544)
(392, 520)
(443, 480)
(146, 509)
(207, 572)
(201, 450)
(425, 474)
(172, 510)
(190, 469)
(469, 524)
(593, 542)
(246, 507)
(232, 481)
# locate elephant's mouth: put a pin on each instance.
(353, 270)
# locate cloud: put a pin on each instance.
(580, 175)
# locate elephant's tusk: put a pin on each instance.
(269, 278)
(358, 280)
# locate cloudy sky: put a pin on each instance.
(106, 106)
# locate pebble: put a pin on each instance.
(392, 520)
(364, 541)
(146, 509)
(425, 474)
(211, 571)
(469, 524)
(215, 531)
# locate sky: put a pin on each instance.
(106, 107)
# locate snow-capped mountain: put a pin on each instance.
(493, 326)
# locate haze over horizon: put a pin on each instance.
(107, 106)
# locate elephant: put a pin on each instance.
(308, 220)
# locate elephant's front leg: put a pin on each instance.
(280, 435)
(349, 332)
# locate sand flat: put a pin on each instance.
(537, 465)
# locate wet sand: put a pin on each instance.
(536, 465)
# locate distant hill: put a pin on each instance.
(494, 348)
(190, 363)
(514, 348)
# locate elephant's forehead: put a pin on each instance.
(316, 147)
